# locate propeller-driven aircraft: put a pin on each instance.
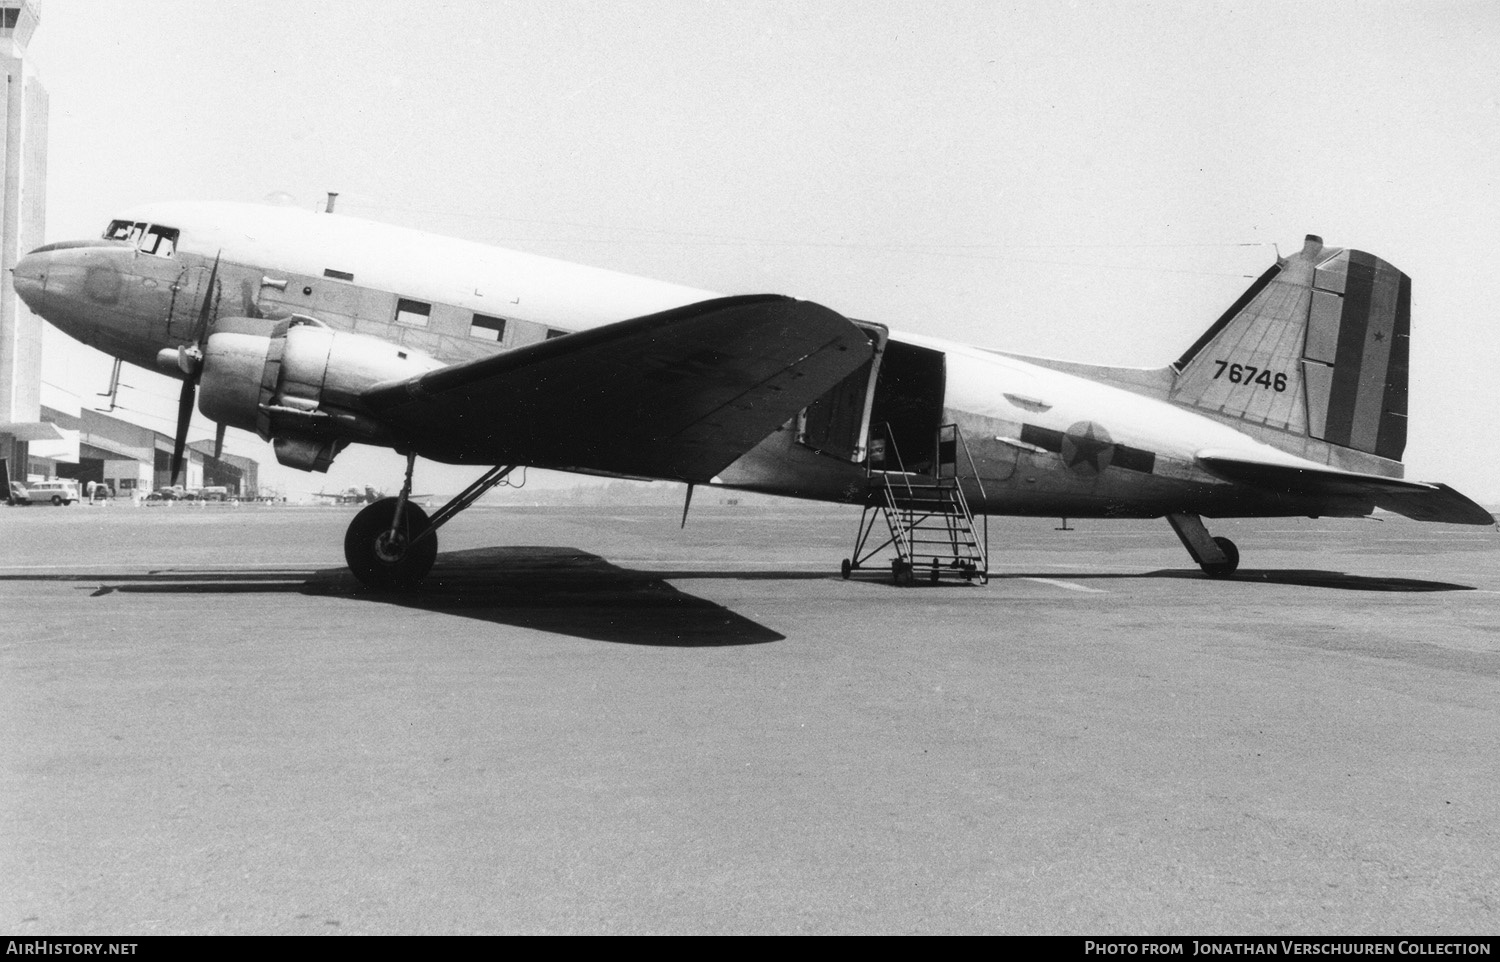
(369, 494)
(318, 330)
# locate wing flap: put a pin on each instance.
(678, 395)
(1418, 500)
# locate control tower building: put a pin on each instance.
(23, 206)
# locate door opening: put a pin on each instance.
(907, 409)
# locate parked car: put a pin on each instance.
(59, 492)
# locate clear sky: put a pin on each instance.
(1093, 180)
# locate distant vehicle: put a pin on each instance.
(171, 493)
(57, 492)
(18, 494)
(369, 495)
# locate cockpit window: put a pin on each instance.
(118, 230)
(159, 240)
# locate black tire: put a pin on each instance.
(901, 573)
(57, 501)
(846, 568)
(380, 562)
(1231, 560)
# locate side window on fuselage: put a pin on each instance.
(488, 328)
(409, 311)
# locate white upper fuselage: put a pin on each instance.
(415, 264)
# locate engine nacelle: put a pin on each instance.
(300, 385)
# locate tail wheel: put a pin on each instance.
(1231, 560)
(846, 568)
(386, 560)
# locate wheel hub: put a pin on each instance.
(390, 547)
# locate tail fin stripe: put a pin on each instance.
(1367, 334)
(1348, 362)
(1369, 406)
(1392, 437)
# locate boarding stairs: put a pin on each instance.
(927, 516)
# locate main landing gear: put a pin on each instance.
(1218, 557)
(392, 544)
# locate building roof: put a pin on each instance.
(97, 447)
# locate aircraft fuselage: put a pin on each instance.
(1034, 440)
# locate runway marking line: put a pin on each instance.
(1070, 585)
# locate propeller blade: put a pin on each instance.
(190, 360)
(184, 415)
(201, 328)
(219, 441)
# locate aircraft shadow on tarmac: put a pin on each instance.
(561, 590)
(1298, 577)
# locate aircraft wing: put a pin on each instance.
(1414, 499)
(676, 395)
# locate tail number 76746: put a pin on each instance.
(1250, 374)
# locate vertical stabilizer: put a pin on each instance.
(1318, 347)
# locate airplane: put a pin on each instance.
(369, 494)
(318, 330)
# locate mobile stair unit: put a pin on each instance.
(928, 519)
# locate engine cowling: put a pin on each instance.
(299, 386)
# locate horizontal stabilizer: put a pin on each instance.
(1414, 499)
(677, 395)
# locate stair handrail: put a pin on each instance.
(900, 533)
(984, 552)
(890, 438)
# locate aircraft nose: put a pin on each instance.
(29, 277)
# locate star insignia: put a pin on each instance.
(1379, 336)
(1087, 448)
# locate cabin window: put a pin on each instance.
(488, 328)
(553, 332)
(337, 275)
(412, 312)
(160, 241)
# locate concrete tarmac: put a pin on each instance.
(609, 725)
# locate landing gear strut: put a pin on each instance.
(392, 544)
(1218, 557)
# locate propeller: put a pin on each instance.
(190, 362)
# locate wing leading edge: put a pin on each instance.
(1418, 500)
(677, 395)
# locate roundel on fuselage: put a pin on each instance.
(1087, 449)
